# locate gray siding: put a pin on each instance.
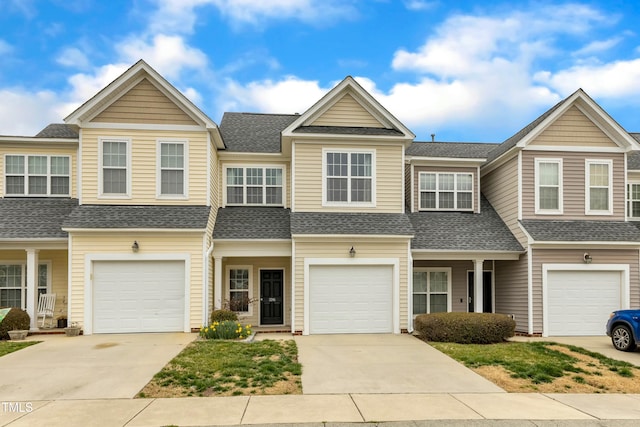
(511, 279)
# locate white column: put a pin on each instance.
(478, 286)
(32, 286)
(217, 282)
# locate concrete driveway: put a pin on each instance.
(372, 363)
(86, 367)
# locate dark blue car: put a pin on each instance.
(624, 329)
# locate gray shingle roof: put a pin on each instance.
(350, 223)
(254, 133)
(252, 223)
(27, 218)
(348, 130)
(462, 231)
(582, 231)
(58, 130)
(473, 150)
(136, 216)
(633, 158)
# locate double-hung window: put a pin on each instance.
(254, 185)
(548, 186)
(34, 175)
(598, 200)
(239, 289)
(446, 191)
(172, 171)
(431, 291)
(633, 201)
(349, 177)
(115, 170)
(13, 287)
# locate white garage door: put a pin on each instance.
(140, 296)
(350, 299)
(579, 302)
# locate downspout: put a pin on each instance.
(205, 288)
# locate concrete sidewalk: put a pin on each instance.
(403, 409)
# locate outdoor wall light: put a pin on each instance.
(352, 252)
(587, 258)
(135, 246)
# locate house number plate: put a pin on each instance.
(272, 300)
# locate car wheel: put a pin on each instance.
(622, 339)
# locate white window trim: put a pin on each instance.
(101, 193)
(23, 284)
(25, 192)
(455, 191)
(447, 270)
(228, 285)
(587, 186)
(185, 169)
(560, 209)
(628, 199)
(262, 166)
(325, 203)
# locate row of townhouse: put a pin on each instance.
(142, 215)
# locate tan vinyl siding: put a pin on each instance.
(115, 244)
(574, 256)
(573, 167)
(257, 264)
(258, 162)
(144, 103)
(143, 162)
(416, 182)
(511, 291)
(389, 177)
(573, 129)
(500, 187)
(48, 149)
(347, 112)
(339, 248)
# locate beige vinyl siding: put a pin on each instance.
(511, 291)
(500, 187)
(416, 182)
(144, 103)
(574, 256)
(573, 129)
(347, 112)
(257, 264)
(115, 244)
(259, 162)
(339, 248)
(389, 177)
(143, 162)
(48, 149)
(573, 184)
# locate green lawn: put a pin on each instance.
(223, 368)
(7, 347)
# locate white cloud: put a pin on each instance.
(25, 113)
(5, 47)
(598, 46)
(420, 5)
(73, 57)
(85, 85)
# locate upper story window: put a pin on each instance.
(115, 167)
(446, 191)
(254, 185)
(633, 201)
(349, 177)
(33, 175)
(548, 186)
(172, 172)
(598, 200)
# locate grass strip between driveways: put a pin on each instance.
(7, 347)
(229, 368)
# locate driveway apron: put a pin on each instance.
(87, 367)
(382, 363)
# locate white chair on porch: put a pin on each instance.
(46, 307)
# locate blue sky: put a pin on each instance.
(464, 70)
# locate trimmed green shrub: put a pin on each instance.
(16, 319)
(465, 328)
(223, 315)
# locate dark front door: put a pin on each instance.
(487, 298)
(271, 300)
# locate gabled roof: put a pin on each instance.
(252, 223)
(348, 86)
(254, 133)
(579, 98)
(457, 150)
(32, 218)
(137, 216)
(463, 231)
(351, 223)
(581, 231)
